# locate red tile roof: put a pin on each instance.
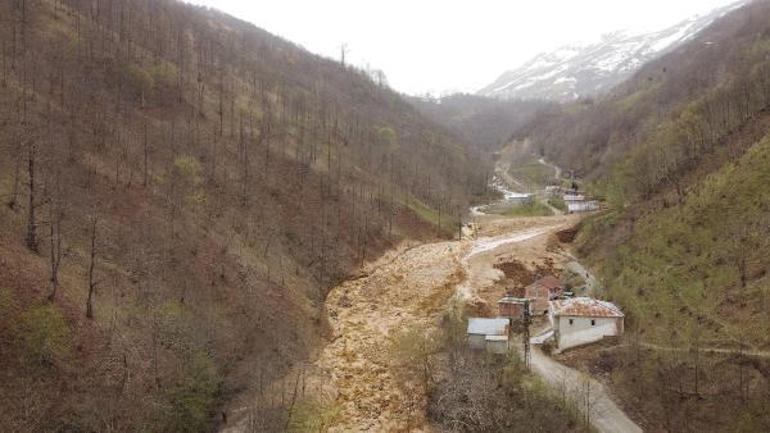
(585, 307)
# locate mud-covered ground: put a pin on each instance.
(413, 291)
(405, 290)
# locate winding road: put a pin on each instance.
(592, 396)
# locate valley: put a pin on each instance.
(205, 226)
(410, 293)
(415, 289)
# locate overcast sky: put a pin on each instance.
(450, 45)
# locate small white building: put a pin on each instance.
(489, 334)
(582, 206)
(573, 197)
(519, 198)
(579, 321)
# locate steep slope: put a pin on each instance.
(693, 280)
(681, 153)
(590, 70)
(179, 191)
(655, 147)
(683, 103)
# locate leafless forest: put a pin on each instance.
(179, 191)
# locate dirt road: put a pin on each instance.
(503, 167)
(556, 169)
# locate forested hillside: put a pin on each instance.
(658, 145)
(681, 154)
(683, 103)
(179, 189)
(486, 123)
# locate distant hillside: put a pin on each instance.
(179, 190)
(486, 123)
(576, 71)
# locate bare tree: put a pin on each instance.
(56, 215)
(31, 240)
(92, 263)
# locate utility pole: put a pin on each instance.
(343, 51)
(525, 335)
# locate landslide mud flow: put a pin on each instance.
(403, 291)
(412, 291)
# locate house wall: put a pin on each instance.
(477, 342)
(499, 347)
(582, 206)
(514, 311)
(582, 332)
(538, 300)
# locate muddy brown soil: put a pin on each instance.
(411, 289)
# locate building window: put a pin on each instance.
(570, 321)
(593, 322)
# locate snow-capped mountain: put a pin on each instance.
(576, 71)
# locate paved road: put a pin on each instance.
(605, 415)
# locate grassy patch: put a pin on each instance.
(532, 173)
(43, 336)
(447, 222)
(314, 416)
(533, 209)
(6, 301)
(558, 203)
(699, 266)
(192, 399)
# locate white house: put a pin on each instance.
(582, 206)
(489, 334)
(579, 321)
(519, 198)
(573, 197)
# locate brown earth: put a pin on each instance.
(411, 290)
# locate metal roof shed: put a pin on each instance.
(482, 326)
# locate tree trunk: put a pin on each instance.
(31, 224)
(91, 282)
(56, 252)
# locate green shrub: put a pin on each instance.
(313, 416)
(164, 74)
(532, 209)
(412, 351)
(43, 335)
(5, 303)
(188, 167)
(558, 203)
(193, 398)
(386, 136)
(139, 79)
(187, 174)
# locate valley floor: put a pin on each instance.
(412, 290)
